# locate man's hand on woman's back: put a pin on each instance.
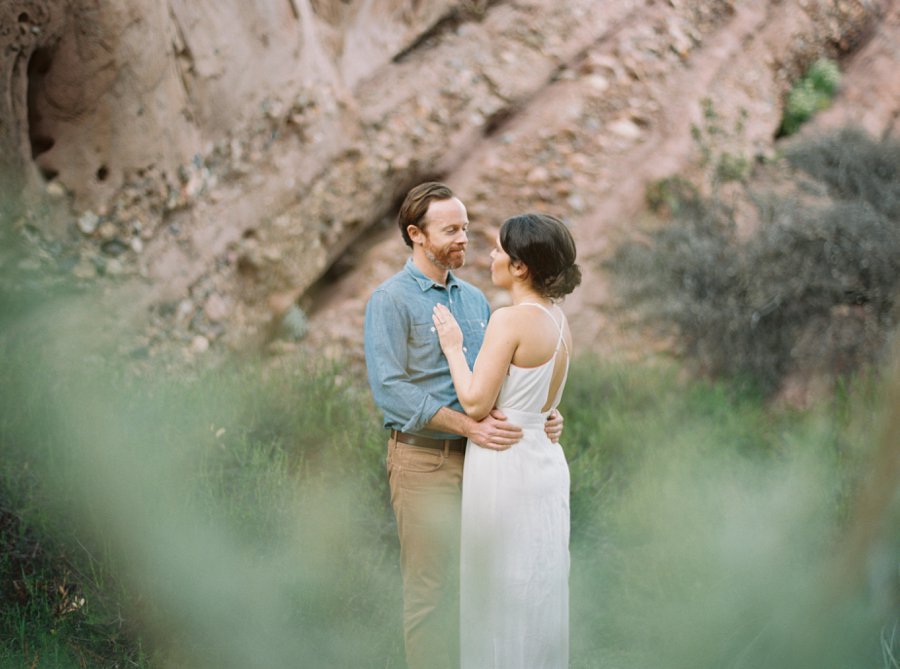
(495, 432)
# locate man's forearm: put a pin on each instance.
(491, 432)
(448, 420)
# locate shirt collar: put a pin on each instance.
(424, 282)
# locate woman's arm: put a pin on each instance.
(478, 389)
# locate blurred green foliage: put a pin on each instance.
(706, 525)
(239, 518)
(222, 518)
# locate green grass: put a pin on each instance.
(706, 525)
(229, 518)
(239, 517)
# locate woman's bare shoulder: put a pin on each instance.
(507, 322)
(512, 316)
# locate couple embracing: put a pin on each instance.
(484, 547)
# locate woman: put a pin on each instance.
(515, 507)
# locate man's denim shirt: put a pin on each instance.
(407, 370)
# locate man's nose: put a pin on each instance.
(462, 237)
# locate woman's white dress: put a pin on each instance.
(514, 562)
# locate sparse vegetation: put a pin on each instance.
(712, 138)
(666, 196)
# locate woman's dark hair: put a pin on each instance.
(415, 205)
(545, 246)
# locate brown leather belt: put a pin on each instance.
(458, 445)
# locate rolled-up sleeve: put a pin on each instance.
(386, 348)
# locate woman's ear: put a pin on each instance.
(519, 269)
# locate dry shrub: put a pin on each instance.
(814, 285)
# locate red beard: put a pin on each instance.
(446, 258)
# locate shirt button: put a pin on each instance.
(433, 329)
(465, 350)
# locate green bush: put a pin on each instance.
(824, 76)
(814, 284)
(811, 94)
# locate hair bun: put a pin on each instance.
(563, 283)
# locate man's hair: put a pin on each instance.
(415, 206)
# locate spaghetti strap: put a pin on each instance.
(558, 324)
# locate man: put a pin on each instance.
(411, 384)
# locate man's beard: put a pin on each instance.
(446, 260)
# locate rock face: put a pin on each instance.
(231, 153)
(99, 93)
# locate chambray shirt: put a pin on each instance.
(407, 370)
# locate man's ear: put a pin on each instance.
(416, 234)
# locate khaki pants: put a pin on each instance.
(425, 494)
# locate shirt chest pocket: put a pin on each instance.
(473, 336)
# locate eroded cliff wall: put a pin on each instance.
(224, 154)
(97, 94)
